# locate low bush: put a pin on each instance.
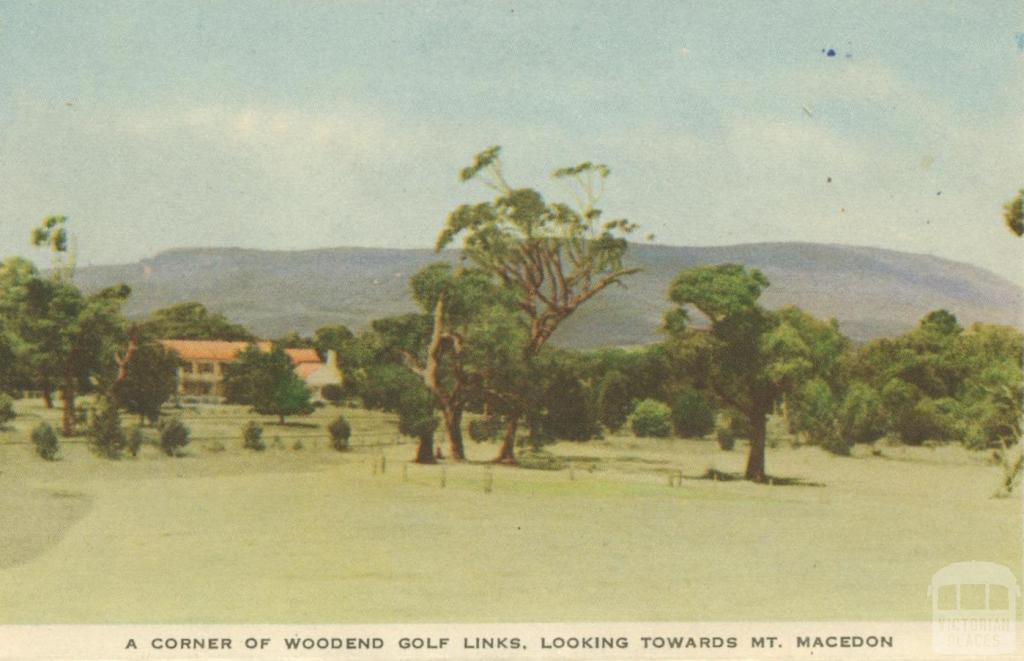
(614, 400)
(726, 432)
(693, 416)
(652, 419)
(861, 415)
(252, 436)
(298, 445)
(333, 393)
(106, 436)
(726, 437)
(173, 436)
(45, 441)
(136, 439)
(340, 431)
(7, 412)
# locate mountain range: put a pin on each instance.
(872, 292)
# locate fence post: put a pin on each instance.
(444, 476)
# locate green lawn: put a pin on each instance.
(317, 536)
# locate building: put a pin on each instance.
(202, 370)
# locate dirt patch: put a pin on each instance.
(33, 520)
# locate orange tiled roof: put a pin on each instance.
(299, 356)
(224, 351)
(303, 370)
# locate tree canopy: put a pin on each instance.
(266, 381)
(192, 321)
(552, 256)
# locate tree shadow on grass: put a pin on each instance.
(716, 475)
(291, 423)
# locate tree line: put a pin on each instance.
(478, 346)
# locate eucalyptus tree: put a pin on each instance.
(752, 357)
(552, 257)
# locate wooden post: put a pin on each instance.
(444, 477)
(383, 464)
(405, 472)
(488, 481)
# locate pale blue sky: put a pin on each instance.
(309, 124)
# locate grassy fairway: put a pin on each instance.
(313, 535)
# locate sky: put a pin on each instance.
(293, 125)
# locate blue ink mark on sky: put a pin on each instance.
(1020, 42)
(831, 52)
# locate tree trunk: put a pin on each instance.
(452, 419)
(425, 450)
(67, 418)
(47, 397)
(507, 454)
(280, 419)
(755, 461)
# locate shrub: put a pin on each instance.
(135, 441)
(278, 444)
(693, 416)
(731, 427)
(836, 443)
(105, 433)
(614, 402)
(484, 429)
(340, 431)
(812, 411)
(297, 445)
(252, 436)
(913, 416)
(652, 419)
(861, 416)
(215, 446)
(173, 436)
(45, 440)
(569, 411)
(6, 410)
(725, 436)
(333, 393)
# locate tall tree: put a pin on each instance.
(728, 296)
(71, 338)
(149, 379)
(753, 356)
(53, 234)
(433, 345)
(266, 381)
(554, 257)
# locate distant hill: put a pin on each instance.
(872, 292)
